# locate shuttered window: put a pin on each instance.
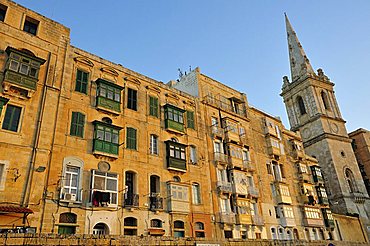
(12, 117)
(131, 138)
(190, 119)
(77, 124)
(153, 106)
(81, 81)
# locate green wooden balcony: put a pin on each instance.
(170, 124)
(103, 102)
(21, 80)
(176, 164)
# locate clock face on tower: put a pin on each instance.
(241, 183)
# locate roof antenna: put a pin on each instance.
(180, 73)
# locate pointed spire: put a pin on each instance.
(299, 63)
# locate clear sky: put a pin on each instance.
(241, 43)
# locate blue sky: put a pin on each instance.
(241, 43)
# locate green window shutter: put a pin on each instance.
(153, 106)
(190, 119)
(81, 81)
(11, 118)
(131, 138)
(77, 124)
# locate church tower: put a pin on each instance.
(313, 111)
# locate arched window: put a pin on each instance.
(199, 229)
(302, 108)
(156, 223)
(107, 120)
(325, 100)
(273, 233)
(179, 228)
(350, 180)
(176, 179)
(68, 220)
(130, 226)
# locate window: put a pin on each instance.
(225, 205)
(156, 223)
(176, 156)
(68, 221)
(196, 193)
(132, 99)
(3, 171)
(193, 154)
(77, 124)
(104, 189)
(130, 226)
(106, 138)
(153, 106)
(100, 229)
(179, 228)
(179, 192)
(325, 100)
(190, 119)
(302, 108)
(199, 229)
(153, 145)
(131, 138)
(3, 10)
(108, 95)
(71, 179)
(131, 198)
(288, 212)
(30, 25)
(71, 183)
(81, 81)
(174, 118)
(312, 213)
(268, 167)
(350, 180)
(302, 168)
(12, 118)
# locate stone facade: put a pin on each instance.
(90, 147)
(361, 147)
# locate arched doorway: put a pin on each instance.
(101, 229)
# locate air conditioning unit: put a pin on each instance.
(70, 197)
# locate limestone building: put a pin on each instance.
(361, 147)
(88, 146)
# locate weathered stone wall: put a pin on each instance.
(46, 239)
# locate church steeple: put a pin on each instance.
(299, 64)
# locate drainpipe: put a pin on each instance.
(29, 175)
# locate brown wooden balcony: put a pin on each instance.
(257, 220)
(224, 186)
(217, 131)
(235, 162)
(221, 157)
(287, 222)
(227, 218)
(248, 166)
(312, 216)
(245, 219)
(253, 191)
